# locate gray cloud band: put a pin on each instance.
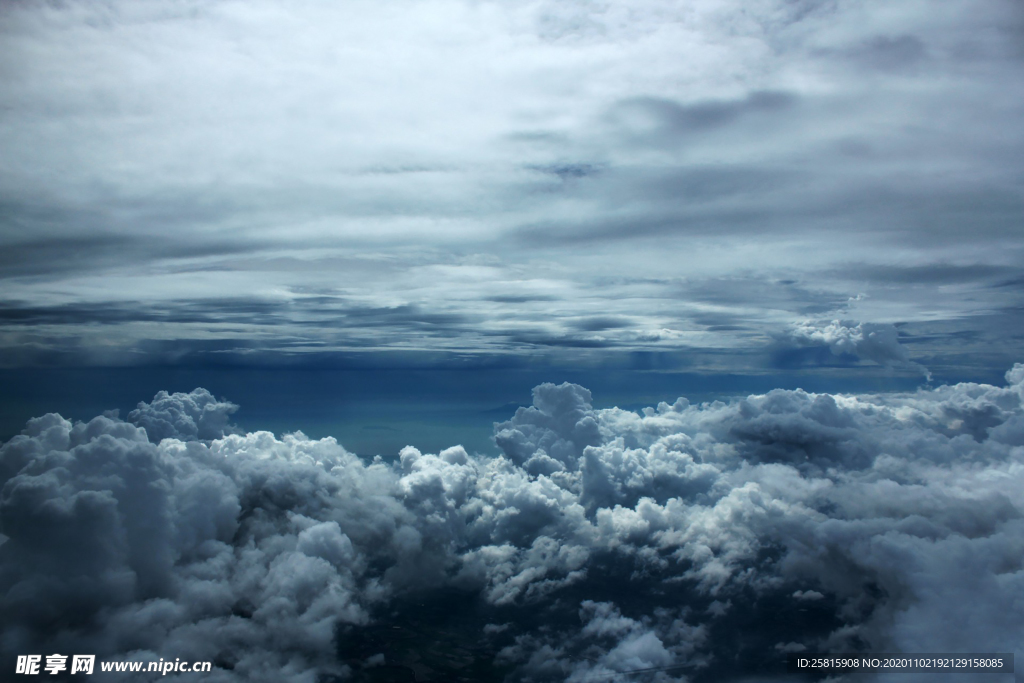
(599, 541)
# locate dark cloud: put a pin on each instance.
(789, 357)
(929, 274)
(1013, 283)
(61, 255)
(701, 542)
(893, 52)
(599, 323)
(942, 212)
(288, 325)
(652, 203)
(633, 227)
(520, 298)
(701, 187)
(569, 171)
(405, 316)
(664, 117)
(738, 291)
(699, 202)
(884, 53)
(541, 338)
(235, 310)
(66, 255)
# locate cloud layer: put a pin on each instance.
(220, 181)
(713, 537)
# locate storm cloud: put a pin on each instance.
(673, 539)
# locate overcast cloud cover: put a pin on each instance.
(275, 181)
(830, 193)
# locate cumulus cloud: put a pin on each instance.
(875, 342)
(191, 416)
(693, 542)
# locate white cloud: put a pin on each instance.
(894, 518)
(457, 157)
(187, 417)
(876, 342)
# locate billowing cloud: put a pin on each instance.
(875, 342)
(196, 415)
(699, 542)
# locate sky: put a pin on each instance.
(510, 341)
(695, 185)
